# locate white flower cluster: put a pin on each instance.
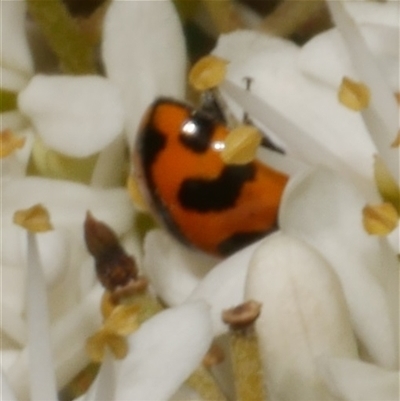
(328, 328)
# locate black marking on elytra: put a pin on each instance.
(205, 195)
(151, 144)
(240, 240)
(197, 131)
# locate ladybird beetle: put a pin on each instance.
(216, 207)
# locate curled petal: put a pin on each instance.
(173, 269)
(76, 116)
(354, 380)
(303, 316)
(143, 69)
(165, 350)
(324, 210)
(15, 52)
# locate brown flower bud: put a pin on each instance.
(115, 269)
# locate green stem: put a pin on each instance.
(74, 50)
(289, 16)
(247, 369)
(149, 305)
(223, 15)
(204, 384)
(8, 100)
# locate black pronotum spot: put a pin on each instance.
(205, 195)
(196, 132)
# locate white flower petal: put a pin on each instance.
(383, 14)
(68, 336)
(353, 380)
(13, 120)
(12, 80)
(314, 145)
(68, 202)
(173, 269)
(382, 116)
(301, 112)
(303, 316)
(13, 286)
(103, 387)
(325, 56)
(15, 52)
(324, 210)
(77, 116)
(41, 369)
(54, 250)
(223, 287)
(164, 352)
(144, 54)
(186, 393)
(109, 164)
(6, 392)
(11, 321)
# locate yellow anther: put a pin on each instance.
(241, 145)
(9, 143)
(354, 95)
(136, 195)
(118, 345)
(207, 73)
(96, 345)
(388, 187)
(396, 142)
(123, 320)
(380, 219)
(107, 304)
(34, 219)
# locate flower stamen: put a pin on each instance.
(9, 143)
(207, 73)
(354, 95)
(136, 195)
(380, 219)
(386, 184)
(396, 142)
(34, 219)
(122, 321)
(241, 145)
(245, 353)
